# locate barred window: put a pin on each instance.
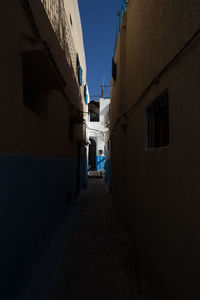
(157, 122)
(94, 111)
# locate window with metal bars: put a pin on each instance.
(157, 122)
(94, 111)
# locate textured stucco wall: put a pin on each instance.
(72, 8)
(156, 192)
(22, 131)
(99, 132)
(38, 172)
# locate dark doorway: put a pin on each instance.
(92, 155)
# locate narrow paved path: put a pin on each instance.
(100, 263)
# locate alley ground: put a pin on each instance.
(90, 258)
(100, 263)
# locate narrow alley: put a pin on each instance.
(99, 151)
(100, 262)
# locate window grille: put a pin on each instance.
(94, 111)
(157, 121)
(94, 117)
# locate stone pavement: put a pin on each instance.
(100, 263)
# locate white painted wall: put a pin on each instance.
(97, 130)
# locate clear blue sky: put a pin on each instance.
(99, 21)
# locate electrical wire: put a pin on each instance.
(47, 48)
(156, 79)
(102, 132)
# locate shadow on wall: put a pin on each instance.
(34, 197)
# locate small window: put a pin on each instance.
(70, 17)
(94, 117)
(86, 94)
(94, 111)
(79, 70)
(114, 69)
(77, 60)
(80, 75)
(157, 122)
(36, 100)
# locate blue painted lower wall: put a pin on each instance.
(34, 197)
(100, 162)
(84, 174)
(108, 179)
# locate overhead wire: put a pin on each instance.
(92, 129)
(156, 78)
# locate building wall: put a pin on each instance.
(35, 194)
(98, 132)
(42, 167)
(73, 16)
(72, 9)
(65, 19)
(156, 190)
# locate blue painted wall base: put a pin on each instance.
(108, 179)
(34, 198)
